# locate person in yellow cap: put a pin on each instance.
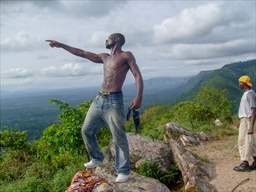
(247, 132)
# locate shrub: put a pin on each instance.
(216, 100)
(193, 113)
(12, 139)
(28, 184)
(171, 177)
(14, 165)
(62, 179)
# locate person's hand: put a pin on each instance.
(250, 131)
(53, 43)
(135, 104)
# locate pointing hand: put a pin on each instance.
(53, 43)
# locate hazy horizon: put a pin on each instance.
(7, 91)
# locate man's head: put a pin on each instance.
(245, 82)
(115, 39)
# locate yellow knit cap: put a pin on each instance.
(246, 80)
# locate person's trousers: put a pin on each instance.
(246, 142)
(108, 109)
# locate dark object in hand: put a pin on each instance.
(136, 118)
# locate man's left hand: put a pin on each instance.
(251, 130)
(135, 104)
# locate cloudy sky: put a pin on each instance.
(168, 38)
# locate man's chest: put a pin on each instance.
(115, 62)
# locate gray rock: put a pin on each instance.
(218, 123)
(136, 182)
(146, 149)
(203, 136)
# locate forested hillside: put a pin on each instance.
(225, 78)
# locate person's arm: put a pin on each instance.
(96, 58)
(136, 103)
(251, 101)
(253, 119)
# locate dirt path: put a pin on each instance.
(223, 156)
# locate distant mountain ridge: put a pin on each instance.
(223, 78)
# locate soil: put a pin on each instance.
(222, 155)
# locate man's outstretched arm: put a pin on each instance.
(96, 58)
(136, 103)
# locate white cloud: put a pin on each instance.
(21, 41)
(210, 50)
(89, 8)
(75, 8)
(69, 70)
(17, 73)
(195, 23)
(98, 39)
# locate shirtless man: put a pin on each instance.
(108, 105)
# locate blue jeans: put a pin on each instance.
(107, 109)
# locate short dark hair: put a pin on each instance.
(118, 38)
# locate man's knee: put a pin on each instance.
(85, 130)
(120, 141)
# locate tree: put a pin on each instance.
(216, 100)
(11, 139)
(66, 135)
(194, 113)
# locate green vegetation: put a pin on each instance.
(225, 78)
(170, 177)
(152, 121)
(197, 114)
(48, 163)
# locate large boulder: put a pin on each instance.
(136, 182)
(146, 149)
(102, 179)
(88, 181)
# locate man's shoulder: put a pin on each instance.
(251, 93)
(104, 54)
(128, 53)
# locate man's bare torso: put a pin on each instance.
(115, 70)
(116, 66)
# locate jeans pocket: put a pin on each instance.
(96, 101)
(117, 102)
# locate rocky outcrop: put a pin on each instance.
(195, 174)
(146, 149)
(102, 180)
(186, 137)
(88, 181)
(141, 149)
(136, 182)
